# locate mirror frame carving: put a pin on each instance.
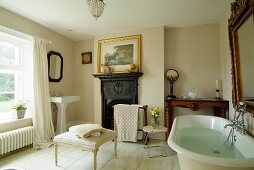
(61, 67)
(241, 10)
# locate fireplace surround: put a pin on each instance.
(119, 88)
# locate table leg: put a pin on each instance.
(160, 145)
(146, 138)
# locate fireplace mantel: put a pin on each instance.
(118, 76)
(121, 88)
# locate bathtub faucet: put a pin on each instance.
(231, 125)
(237, 124)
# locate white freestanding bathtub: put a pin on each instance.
(192, 138)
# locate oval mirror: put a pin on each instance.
(55, 66)
(172, 75)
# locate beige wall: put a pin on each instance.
(151, 84)
(59, 43)
(84, 81)
(195, 53)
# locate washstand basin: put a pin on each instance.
(65, 99)
(62, 102)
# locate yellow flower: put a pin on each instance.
(155, 112)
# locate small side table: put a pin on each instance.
(148, 130)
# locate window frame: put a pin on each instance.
(16, 68)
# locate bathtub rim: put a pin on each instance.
(228, 162)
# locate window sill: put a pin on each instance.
(7, 117)
(12, 124)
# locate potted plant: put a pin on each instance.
(18, 110)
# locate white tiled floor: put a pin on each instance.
(131, 156)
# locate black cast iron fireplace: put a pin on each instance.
(117, 89)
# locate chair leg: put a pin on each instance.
(115, 147)
(95, 159)
(56, 153)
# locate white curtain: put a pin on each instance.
(42, 119)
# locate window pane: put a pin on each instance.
(7, 82)
(7, 97)
(5, 106)
(7, 91)
(7, 53)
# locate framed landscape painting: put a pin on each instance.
(119, 54)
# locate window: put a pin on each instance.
(7, 90)
(15, 69)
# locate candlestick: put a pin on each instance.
(217, 94)
(217, 84)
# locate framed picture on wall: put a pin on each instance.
(120, 54)
(86, 57)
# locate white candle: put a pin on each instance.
(217, 84)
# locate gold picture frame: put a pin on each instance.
(120, 54)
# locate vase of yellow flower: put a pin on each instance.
(155, 121)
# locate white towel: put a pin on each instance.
(126, 122)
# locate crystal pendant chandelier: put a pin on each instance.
(96, 7)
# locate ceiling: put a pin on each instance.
(72, 19)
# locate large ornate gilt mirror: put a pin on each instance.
(241, 37)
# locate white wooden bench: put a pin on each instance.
(91, 144)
